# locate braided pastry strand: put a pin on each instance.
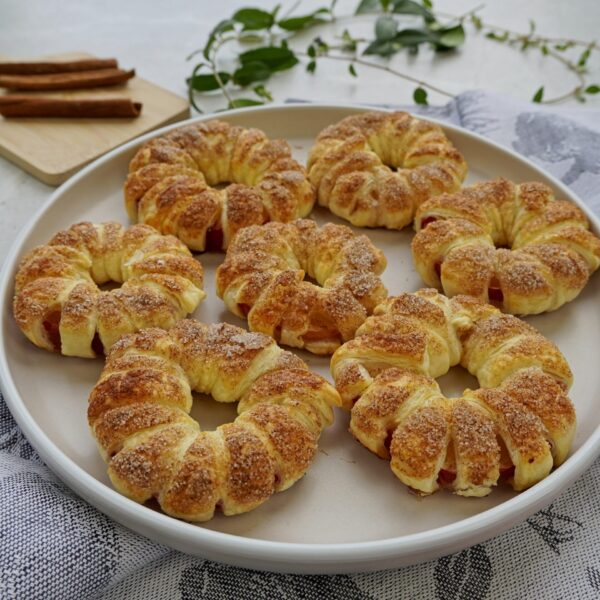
(516, 427)
(59, 306)
(262, 279)
(171, 183)
(513, 244)
(374, 169)
(139, 414)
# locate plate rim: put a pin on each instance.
(304, 557)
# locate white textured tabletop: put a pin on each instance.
(156, 37)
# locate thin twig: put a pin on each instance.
(542, 39)
(292, 9)
(574, 92)
(365, 63)
(509, 36)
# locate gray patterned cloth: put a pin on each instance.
(55, 545)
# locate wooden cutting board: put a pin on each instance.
(54, 149)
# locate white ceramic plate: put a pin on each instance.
(349, 513)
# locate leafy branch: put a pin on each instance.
(270, 34)
(554, 48)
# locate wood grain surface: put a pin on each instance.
(54, 149)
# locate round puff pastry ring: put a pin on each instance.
(374, 169)
(172, 179)
(263, 279)
(139, 414)
(59, 306)
(515, 427)
(513, 244)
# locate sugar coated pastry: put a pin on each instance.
(59, 306)
(139, 414)
(515, 427)
(375, 169)
(172, 179)
(262, 279)
(513, 244)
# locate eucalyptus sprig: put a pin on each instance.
(267, 36)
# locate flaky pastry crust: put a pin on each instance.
(262, 279)
(59, 306)
(139, 414)
(171, 183)
(516, 427)
(374, 169)
(513, 244)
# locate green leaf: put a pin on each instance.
(385, 28)
(349, 42)
(491, 35)
(367, 6)
(244, 102)
(321, 46)
(207, 83)
(311, 51)
(477, 22)
(420, 96)
(250, 72)
(254, 18)
(592, 89)
(451, 37)
(352, 70)
(305, 21)
(409, 7)
(385, 4)
(544, 50)
(539, 95)
(563, 47)
(250, 38)
(584, 57)
(311, 66)
(428, 4)
(413, 37)
(221, 27)
(262, 92)
(382, 48)
(277, 58)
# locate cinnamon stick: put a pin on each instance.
(43, 68)
(66, 81)
(13, 106)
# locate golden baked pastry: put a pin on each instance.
(262, 279)
(374, 169)
(507, 243)
(514, 428)
(171, 179)
(60, 308)
(139, 414)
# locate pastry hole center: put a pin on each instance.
(210, 414)
(456, 381)
(109, 286)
